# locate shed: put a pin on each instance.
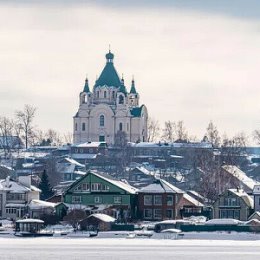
(97, 221)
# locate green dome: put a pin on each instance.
(108, 76)
(86, 87)
(110, 56)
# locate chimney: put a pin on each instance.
(25, 180)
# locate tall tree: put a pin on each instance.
(6, 133)
(168, 131)
(25, 120)
(213, 134)
(45, 187)
(181, 133)
(153, 129)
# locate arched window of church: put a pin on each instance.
(97, 94)
(105, 94)
(113, 94)
(102, 120)
(120, 127)
(83, 126)
(76, 126)
(121, 99)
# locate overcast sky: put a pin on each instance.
(194, 61)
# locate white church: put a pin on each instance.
(109, 109)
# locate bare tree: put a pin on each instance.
(68, 138)
(6, 133)
(153, 129)
(213, 134)
(25, 120)
(181, 132)
(169, 131)
(54, 137)
(233, 149)
(256, 135)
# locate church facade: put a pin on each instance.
(109, 110)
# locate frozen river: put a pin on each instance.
(121, 248)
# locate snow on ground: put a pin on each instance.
(126, 249)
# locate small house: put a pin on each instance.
(233, 203)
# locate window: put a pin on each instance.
(169, 200)
(121, 99)
(83, 126)
(158, 200)
(99, 187)
(102, 120)
(118, 200)
(83, 187)
(98, 199)
(15, 196)
(76, 127)
(97, 94)
(157, 214)
(236, 214)
(120, 127)
(95, 186)
(148, 213)
(105, 94)
(10, 210)
(113, 94)
(76, 199)
(148, 200)
(169, 213)
(101, 138)
(231, 201)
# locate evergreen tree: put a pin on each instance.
(45, 187)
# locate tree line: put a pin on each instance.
(22, 126)
(176, 131)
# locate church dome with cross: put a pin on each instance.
(109, 109)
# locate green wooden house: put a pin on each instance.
(99, 192)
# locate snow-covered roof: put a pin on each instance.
(196, 194)
(255, 214)
(223, 221)
(84, 155)
(33, 188)
(89, 144)
(40, 204)
(119, 184)
(103, 217)
(176, 156)
(16, 187)
(240, 175)
(72, 161)
(80, 172)
(192, 200)
(242, 194)
(15, 205)
(143, 170)
(30, 220)
(6, 167)
(173, 145)
(160, 186)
